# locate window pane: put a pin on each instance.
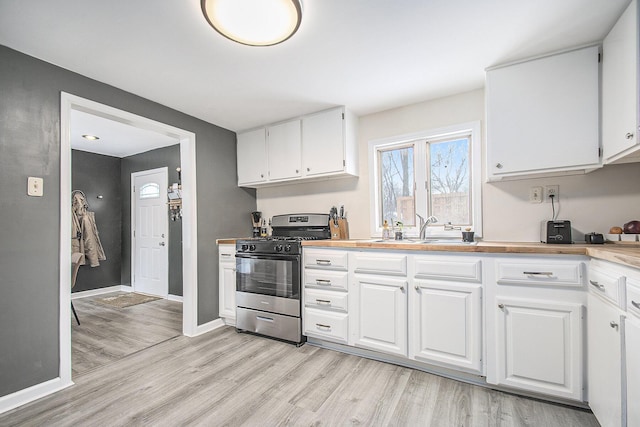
(150, 191)
(450, 181)
(396, 186)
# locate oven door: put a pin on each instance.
(268, 274)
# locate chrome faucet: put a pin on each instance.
(423, 225)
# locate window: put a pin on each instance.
(150, 191)
(431, 173)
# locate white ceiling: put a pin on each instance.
(116, 139)
(370, 55)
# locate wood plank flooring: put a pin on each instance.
(107, 333)
(223, 378)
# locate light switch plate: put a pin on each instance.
(35, 186)
(535, 195)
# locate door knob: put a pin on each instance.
(161, 243)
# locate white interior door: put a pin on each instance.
(150, 232)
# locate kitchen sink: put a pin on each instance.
(424, 242)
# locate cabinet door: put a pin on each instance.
(284, 150)
(632, 346)
(539, 346)
(620, 85)
(323, 142)
(227, 303)
(605, 365)
(445, 324)
(381, 314)
(543, 115)
(252, 157)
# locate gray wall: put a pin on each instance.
(96, 174)
(29, 255)
(169, 157)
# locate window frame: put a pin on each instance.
(420, 140)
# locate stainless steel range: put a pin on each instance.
(268, 276)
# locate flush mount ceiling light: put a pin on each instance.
(254, 22)
(91, 137)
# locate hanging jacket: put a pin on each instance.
(84, 232)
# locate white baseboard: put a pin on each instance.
(208, 327)
(100, 291)
(22, 397)
(177, 298)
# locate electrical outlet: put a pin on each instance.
(535, 195)
(552, 190)
(35, 186)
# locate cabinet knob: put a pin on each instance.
(417, 288)
(402, 288)
(635, 304)
(500, 305)
(297, 171)
(613, 324)
(261, 175)
(308, 169)
(499, 165)
(629, 135)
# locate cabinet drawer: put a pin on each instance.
(377, 263)
(319, 258)
(633, 299)
(326, 324)
(449, 269)
(608, 284)
(326, 299)
(534, 273)
(227, 253)
(326, 279)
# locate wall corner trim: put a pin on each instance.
(208, 327)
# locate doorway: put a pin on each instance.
(189, 216)
(150, 232)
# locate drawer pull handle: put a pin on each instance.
(324, 282)
(323, 262)
(635, 304)
(323, 301)
(538, 273)
(597, 285)
(613, 324)
(323, 327)
(264, 319)
(500, 305)
(225, 254)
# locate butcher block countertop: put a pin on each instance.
(625, 254)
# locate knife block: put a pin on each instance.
(339, 231)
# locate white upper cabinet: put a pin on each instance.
(315, 146)
(323, 147)
(283, 143)
(252, 157)
(620, 89)
(543, 115)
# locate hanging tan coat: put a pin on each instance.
(84, 232)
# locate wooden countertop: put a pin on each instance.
(621, 254)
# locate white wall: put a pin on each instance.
(593, 202)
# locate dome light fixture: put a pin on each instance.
(91, 137)
(254, 22)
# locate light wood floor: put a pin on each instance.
(223, 378)
(106, 333)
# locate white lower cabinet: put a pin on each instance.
(380, 321)
(227, 283)
(445, 324)
(605, 361)
(632, 353)
(539, 346)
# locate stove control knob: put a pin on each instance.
(252, 247)
(287, 248)
(279, 248)
(243, 248)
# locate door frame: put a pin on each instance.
(134, 211)
(187, 140)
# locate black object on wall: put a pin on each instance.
(99, 175)
(161, 157)
(30, 254)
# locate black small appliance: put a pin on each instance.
(557, 231)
